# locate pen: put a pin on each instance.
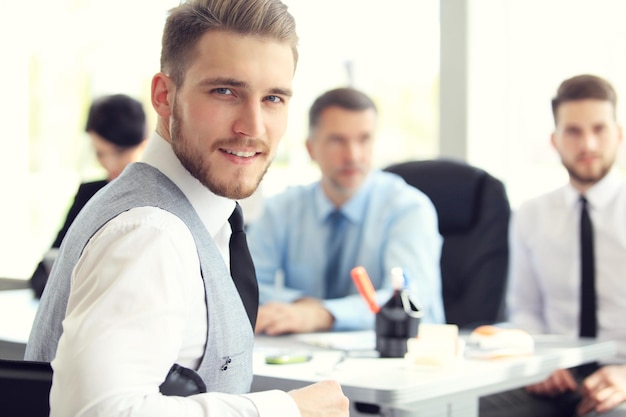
(366, 289)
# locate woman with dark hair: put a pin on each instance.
(116, 125)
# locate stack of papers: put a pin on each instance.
(436, 346)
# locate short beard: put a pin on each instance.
(193, 162)
(588, 179)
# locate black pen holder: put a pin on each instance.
(396, 322)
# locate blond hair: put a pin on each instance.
(187, 22)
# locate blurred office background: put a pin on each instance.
(468, 79)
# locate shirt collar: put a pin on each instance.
(212, 209)
(354, 209)
(600, 194)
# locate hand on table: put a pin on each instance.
(603, 390)
(302, 316)
(323, 399)
(560, 382)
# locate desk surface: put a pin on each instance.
(13, 284)
(367, 380)
(17, 312)
(395, 382)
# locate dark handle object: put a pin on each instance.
(182, 382)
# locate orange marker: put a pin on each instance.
(364, 285)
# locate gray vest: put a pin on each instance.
(227, 362)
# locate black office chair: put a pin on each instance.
(474, 212)
(25, 388)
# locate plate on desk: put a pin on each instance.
(494, 342)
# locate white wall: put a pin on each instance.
(14, 144)
(519, 51)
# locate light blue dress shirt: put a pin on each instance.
(391, 224)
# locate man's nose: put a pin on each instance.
(353, 151)
(591, 140)
(250, 121)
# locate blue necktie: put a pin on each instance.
(588, 321)
(242, 267)
(337, 223)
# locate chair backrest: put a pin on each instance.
(474, 212)
(25, 388)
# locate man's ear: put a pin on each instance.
(162, 94)
(553, 141)
(309, 148)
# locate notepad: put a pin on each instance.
(348, 341)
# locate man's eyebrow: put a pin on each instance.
(229, 82)
(232, 82)
(281, 92)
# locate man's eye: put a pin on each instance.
(274, 99)
(223, 91)
(335, 139)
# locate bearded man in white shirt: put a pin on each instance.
(546, 291)
(141, 284)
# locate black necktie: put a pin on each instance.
(242, 267)
(337, 223)
(588, 322)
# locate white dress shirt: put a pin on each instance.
(545, 277)
(137, 307)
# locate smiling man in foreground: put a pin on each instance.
(141, 316)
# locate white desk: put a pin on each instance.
(390, 387)
(385, 385)
(17, 313)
